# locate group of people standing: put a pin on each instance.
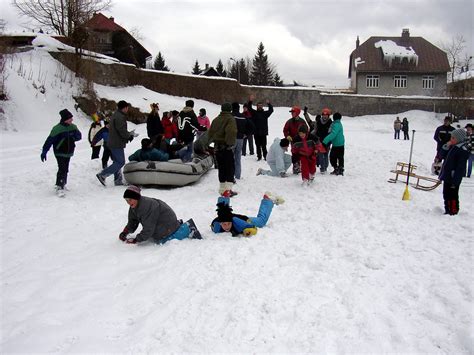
(401, 126)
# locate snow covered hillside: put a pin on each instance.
(343, 266)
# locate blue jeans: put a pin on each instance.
(264, 212)
(118, 161)
(181, 233)
(273, 167)
(186, 152)
(323, 161)
(238, 158)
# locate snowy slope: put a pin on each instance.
(343, 266)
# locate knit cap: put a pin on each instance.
(459, 134)
(224, 212)
(132, 192)
(65, 115)
(226, 107)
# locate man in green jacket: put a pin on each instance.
(63, 138)
(336, 137)
(223, 133)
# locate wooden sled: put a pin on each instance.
(420, 181)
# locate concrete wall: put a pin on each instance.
(219, 90)
(414, 85)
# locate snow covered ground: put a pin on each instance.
(343, 266)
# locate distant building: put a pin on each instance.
(111, 39)
(209, 71)
(398, 66)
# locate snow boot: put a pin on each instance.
(277, 200)
(194, 234)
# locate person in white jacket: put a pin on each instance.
(277, 159)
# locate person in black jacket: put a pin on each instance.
(187, 125)
(244, 127)
(455, 154)
(260, 120)
(154, 128)
(442, 135)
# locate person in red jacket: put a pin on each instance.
(170, 129)
(290, 131)
(306, 146)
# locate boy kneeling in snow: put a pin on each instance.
(455, 155)
(226, 221)
(157, 218)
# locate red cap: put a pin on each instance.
(326, 111)
(296, 109)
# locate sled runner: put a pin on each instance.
(424, 183)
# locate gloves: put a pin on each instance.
(43, 157)
(283, 174)
(131, 241)
(305, 109)
(130, 138)
(289, 138)
(123, 235)
(250, 231)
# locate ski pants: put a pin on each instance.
(451, 198)
(308, 166)
(336, 157)
(248, 138)
(181, 233)
(264, 213)
(95, 152)
(225, 165)
(261, 144)
(63, 169)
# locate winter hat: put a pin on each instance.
(65, 115)
(203, 111)
(303, 129)
(326, 111)
(226, 107)
(284, 142)
(132, 192)
(459, 135)
(296, 109)
(337, 116)
(122, 104)
(146, 143)
(224, 212)
(189, 103)
(235, 106)
(469, 125)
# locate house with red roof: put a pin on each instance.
(111, 39)
(398, 66)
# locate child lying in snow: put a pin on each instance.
(226, 221)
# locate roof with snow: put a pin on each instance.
(398, 54)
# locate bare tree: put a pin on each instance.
(454, 49)
(62, 16)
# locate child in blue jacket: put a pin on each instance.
(236, 224)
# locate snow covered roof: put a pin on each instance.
(392, 51)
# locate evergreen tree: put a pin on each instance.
(196, 69)
(220, 68)
(159, 63)
(262, 71)
(277, 80)
(244, 71)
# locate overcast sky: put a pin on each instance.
(307, 40)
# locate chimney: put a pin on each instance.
(111, 18)
(357, 42)
(405, 36)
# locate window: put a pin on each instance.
(372, 81)
(428, 82)
(400, 81)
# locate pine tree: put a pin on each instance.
(159, 63)
(244, 71)
(220, 69)
(277, 80)
(196, 69)
(262, 72)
